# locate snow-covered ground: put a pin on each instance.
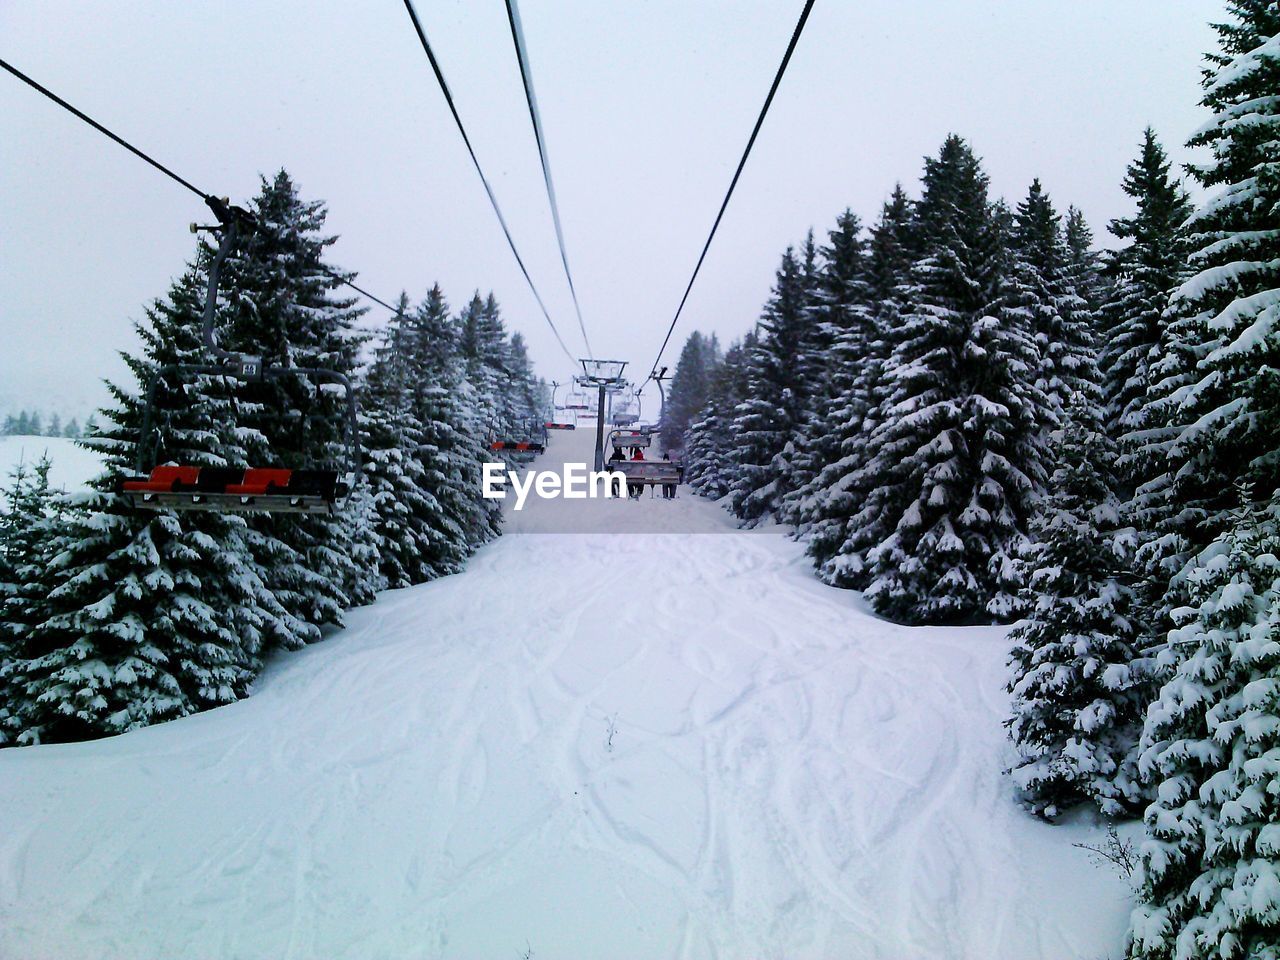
(589, 745)
(72, 467)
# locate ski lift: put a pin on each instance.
(276, 489)
(641, 473)
(524, 450)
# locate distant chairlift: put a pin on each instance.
(533, 441)
(232, 489)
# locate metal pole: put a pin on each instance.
(600, 432)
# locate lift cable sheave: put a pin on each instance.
(535, 116)
(475, 162)
(755, 131)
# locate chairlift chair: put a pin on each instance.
(275, 489)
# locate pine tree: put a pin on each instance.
(72, 430)
(449, 409)
(709, 457)
(1037, 287)
(767, 420)
(1078, 683)
(392, 436)
(690, 388)
(1143, 274)
(845, 509)
(484, 350)
(957, 452)
(27, 508)
(146, 615)
(840, 339)
(1211, 878)
(1213, 418)
(280, 304)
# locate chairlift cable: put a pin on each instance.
(488, 189)
(768, 100)
(209, 199)
(526, 75)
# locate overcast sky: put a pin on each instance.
(646, 106)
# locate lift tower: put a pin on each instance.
(603, 375)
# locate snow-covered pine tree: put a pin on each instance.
(1213, 419)
(1211, 862)
(1078, 683)
(392, 437)
(147, 615)
(690, 387)
(1084, 271)
(840, 343)
(520, 393)
(27, 508)
(709, 448)
(1037, 283)
(845, 511)
(957, 454)
(1142, 274)
(449, 410)
(766, 421)
(484, 350)
(280, 303)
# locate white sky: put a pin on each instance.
(646, 105)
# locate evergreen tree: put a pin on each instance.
(690, 388)
(710, 444)
(392, 436)
(484, 350)
(1213, 418)
(845, 509)
(145, 615)
(451, 452)
(841, 337)
(956, 455)
(1143, 274)
(280, 304)
(1211, 878)
(72, 430)
(55, 426)
(767, 420)
(1077, 685)
(1084, 270)
(1037, 288)
(27, 508)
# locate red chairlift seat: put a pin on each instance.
(232, 490)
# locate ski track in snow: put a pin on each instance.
(588, 745)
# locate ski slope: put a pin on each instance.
(616, 745)
(71, 466)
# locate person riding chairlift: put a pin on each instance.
(635, 489)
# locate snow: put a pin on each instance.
(627, 730)
(72, 468)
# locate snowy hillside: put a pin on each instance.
(73, 467)
(587, 745)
